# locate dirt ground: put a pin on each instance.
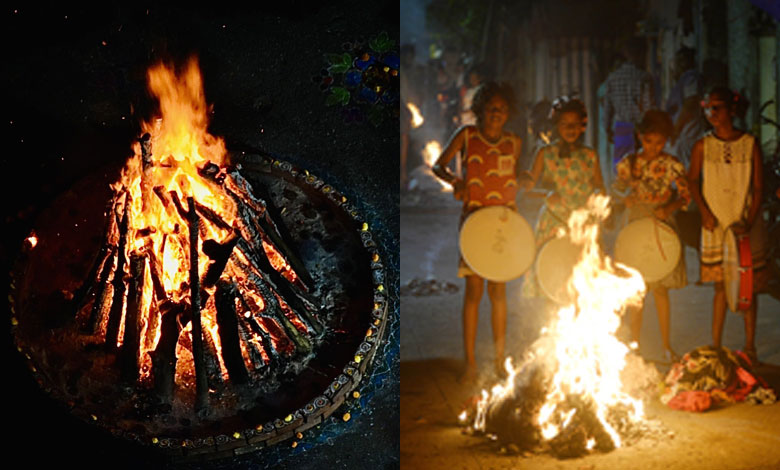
(739, 436)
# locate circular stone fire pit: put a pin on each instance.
(347, 271)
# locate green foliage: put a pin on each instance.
(338, 95)
(340, 63)
(381, 43)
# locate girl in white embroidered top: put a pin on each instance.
(725, 180)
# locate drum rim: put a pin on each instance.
(524, 223)
(665, 226)
(539, 278)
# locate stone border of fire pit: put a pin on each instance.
(310, 415)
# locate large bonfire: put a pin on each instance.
(196, 284)
(568, 395)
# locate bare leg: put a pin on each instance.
(661, 295)
(750, 326)
(718, 313)
(636, 322)
(497, 294)
(474, 289)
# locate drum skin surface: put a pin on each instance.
(649, 246)
(554, 266)
(497, 243)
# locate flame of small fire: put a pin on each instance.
(430, 153)
(417, 119)
(588, 358)
(32, 240)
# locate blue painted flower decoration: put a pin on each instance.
(364, 79)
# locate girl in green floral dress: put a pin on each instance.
(569, 169)
(653, 184)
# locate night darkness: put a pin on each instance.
(74, 92)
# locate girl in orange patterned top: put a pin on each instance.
(653, 183)
(489, 154)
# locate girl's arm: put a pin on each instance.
(440, 167)
(682, 196)
(708, 220)
(530, 178)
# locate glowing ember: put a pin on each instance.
(417, 119)
(569, 384)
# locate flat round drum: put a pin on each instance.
(497, 243)
(554, 265)
(649, 246)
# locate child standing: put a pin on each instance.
(653, 183)
(570, 168)
(489, 154)
(726, 184)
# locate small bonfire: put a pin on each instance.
(577, 389)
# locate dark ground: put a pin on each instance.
(74, 81)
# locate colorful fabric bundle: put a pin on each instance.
(709, 375)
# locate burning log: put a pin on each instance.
(97, 312)
(219, 254)
(272, 224)
(201, 384)
(117, 304)
(265, 340)
(246, 204)
(130, 358)
(296, 300)
(228, 331)
(90, 289)
(164, 356)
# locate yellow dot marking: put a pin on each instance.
(288, 418)
(299, 435)
(294, 444)
(236, 435)
(358, 358)
(155, 440)
(356, 394)
(365, 227)
(380, 288)
(346, 417)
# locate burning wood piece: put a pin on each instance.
(228, 331)
(272, 224)
(238, 188)
(219, 254)
(130, 358)
(90, 289)
(164, 356)
(102, 292)
(117, 304)
(201, 384)
(298, 302)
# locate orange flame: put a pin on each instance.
(417, 119)
(579, 347)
